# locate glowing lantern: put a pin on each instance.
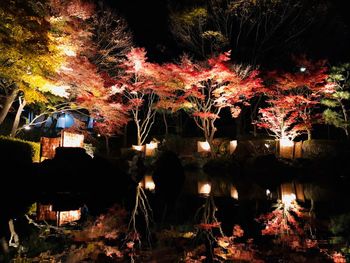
(203, 147)
(72, 139)
(286, 148)
(268, 194)
(64, 217)
(139, 148)
(151, 148)
(233, 146)
(287, 193)
(149, 183)
(204, 188)
(234, 192)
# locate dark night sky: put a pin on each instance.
(148, 20)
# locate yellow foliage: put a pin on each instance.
(193, 16)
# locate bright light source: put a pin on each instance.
(138, 148)
(302, 69)
(72, 139)
(285, 142)
(267, 145)
(234, 192)
(151, 148)
(27, 127)
(204, 188)
(98, 135)
(288, 199)
(233, 146)
(203, 146)
(268, 192)
(149, 183)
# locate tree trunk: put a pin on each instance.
(139, 142)
(345, 115)
(253, 115)
(7, 104)
(14, 239)
(309, 134)
(22, 104)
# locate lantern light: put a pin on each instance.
(138, 148)
(204, 188)
(233, 146)
(151, 148)
(203, 146)
(149, 183)
(234, 192)
(302, 69)
(285, 142)
(288, 199)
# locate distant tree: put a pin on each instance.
(294, 98)
(337, 112)
(209, 87)
(251, 28)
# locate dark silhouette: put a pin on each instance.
(169, 178)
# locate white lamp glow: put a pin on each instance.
(203, 146)
(138, 148)
(233, 146)
(151, 148)
(149, 183)
(234, 192)
(285, 142)
(287, 199)
(204, 188)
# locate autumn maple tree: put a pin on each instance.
(137, 84)
(293, 98)
(81, 73)
(208, 87)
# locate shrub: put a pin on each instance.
(17, 150)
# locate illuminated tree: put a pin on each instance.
(112, 39)
(88, 87)
(281, 117)
(209, 87)
(138, 86)
(28, 60)
(255, 30)
(337, 112)
(294, 98)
